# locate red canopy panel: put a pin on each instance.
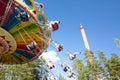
(8, 16)
(3, 5)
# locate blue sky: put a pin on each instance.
(100, 19)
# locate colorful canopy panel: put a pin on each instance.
(23, 33)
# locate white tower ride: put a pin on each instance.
(84, 37)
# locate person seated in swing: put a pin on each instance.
(73, 56)
(51, 65)
(40, 6)
(52, 77)
(32, 46)
(58, 47)
(70, 74)
(65, 68)
(54, 25)
(22, 15)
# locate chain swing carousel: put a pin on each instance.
(23, 28)
(25, 34)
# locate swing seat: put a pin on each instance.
(65, 69)
(59, 47)
(55, 26)
(24, 17)
(71, 56)
(32, 46)
(69, 74)
(51, 66)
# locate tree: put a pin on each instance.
(106, 68)
(61, 77)
(41, 70)
(25, 71)
(113, 66)
(17, 72)
(117, 41)
(102, 68)
(91, 65)
(81, 70)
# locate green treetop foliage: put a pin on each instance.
(29, 71)
(81, 70)
(106, 68)
(61, 77)
(117, 41)
(113, 66)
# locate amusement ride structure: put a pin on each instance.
(25, 33)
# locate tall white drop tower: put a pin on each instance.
(84, 37)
